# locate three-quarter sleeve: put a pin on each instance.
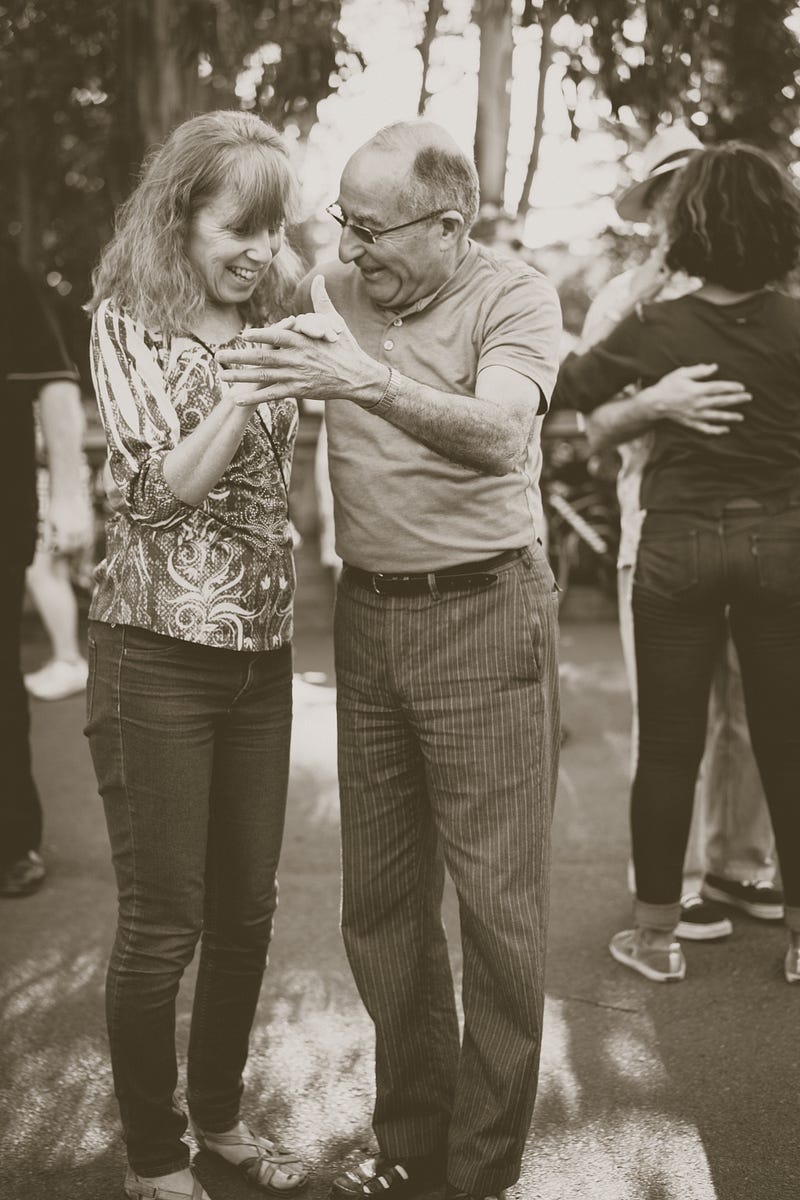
(138, 415)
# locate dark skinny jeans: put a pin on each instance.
(691, 570)
(191, 749)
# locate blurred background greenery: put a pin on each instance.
(556, 97)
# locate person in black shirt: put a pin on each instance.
(722, 531)
(33, 365)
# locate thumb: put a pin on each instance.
(320, 298)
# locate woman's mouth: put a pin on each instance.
(243, 274)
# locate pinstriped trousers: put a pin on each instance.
(448, 718)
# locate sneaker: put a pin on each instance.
(58, 679)
(661, 963)
(388, 1178)
(758, 898)
(791, 964)
(23, 876)
(702, 920)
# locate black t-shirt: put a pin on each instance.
(31, 355)
(755, 342)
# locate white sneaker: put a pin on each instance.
(58, 679)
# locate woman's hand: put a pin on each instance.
(688, 397)
(313, 356)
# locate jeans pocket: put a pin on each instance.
(145, 645)
(667, 563)
(91, 658)
(778, 564)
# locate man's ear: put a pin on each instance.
(452, 224)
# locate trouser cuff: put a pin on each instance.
(656, 916)
(792, 918)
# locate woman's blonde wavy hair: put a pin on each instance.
(144, 268)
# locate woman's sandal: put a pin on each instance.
(141, 1189)
(270, 1167)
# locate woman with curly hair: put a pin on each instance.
(721, 533)
(189, 695)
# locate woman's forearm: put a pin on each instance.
(197, 463)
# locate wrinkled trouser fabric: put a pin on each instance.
(448, 713)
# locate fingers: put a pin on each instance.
(697, 370)
(279, 335)
(731, 394)
(258, 356)
(321, 300)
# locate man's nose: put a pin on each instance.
(351, 247)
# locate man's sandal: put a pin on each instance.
(270, 1167)
(141, 1189)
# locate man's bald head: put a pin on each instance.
(436, 175)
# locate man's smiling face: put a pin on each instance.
(404, 266)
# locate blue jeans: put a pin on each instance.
(691, 572)
(191, 750)
(448, 716)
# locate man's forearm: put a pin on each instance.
(62, 421)
(473, 431)
(619, 421)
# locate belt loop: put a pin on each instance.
(374, 582)
(434, 591)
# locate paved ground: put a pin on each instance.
(647, 1092)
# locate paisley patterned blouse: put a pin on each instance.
(221, 573)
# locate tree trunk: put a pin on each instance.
(545, 58)
(163, 85)
(435, 8)
(494, 98)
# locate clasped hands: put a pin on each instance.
(313, 355)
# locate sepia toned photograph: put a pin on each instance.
(400, 670)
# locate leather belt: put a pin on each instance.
(464, 577)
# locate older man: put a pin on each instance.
(435, 378)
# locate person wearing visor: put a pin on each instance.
(730, 860)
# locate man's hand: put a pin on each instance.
(313, 356)
(688, 397)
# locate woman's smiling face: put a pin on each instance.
(229, 261)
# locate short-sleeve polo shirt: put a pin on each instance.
(399, 505)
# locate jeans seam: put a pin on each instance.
(131, 825)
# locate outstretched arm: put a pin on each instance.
(686, 396)
(315, 356)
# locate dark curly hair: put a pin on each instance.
(733, 218)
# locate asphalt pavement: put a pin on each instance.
(648, 1092)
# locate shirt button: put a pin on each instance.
(388, 344)
(397, 321)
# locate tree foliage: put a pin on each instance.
(85, 89)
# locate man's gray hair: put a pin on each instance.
(442, 177)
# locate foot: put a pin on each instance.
(758, 898)
(389, 1178)
(791, 964)
(650, 952)
(179, 1185)
(23, 876)
(264, 1163)
(58, 679)
(702, 920)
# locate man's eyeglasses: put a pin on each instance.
(370, 236)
